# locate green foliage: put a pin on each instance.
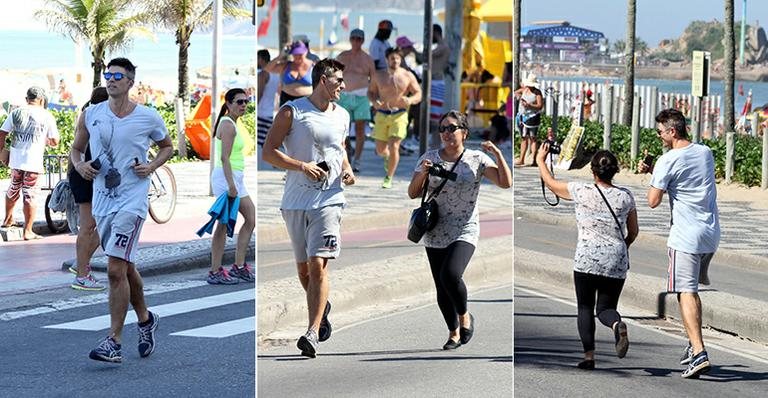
(747, 149)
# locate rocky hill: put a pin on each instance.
(708, 36)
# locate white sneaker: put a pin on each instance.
(87, 283)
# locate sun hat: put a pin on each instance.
(531, 81)
(403, 42)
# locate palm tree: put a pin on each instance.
(618, 46)
(284, 15)
(629, 67)
(730, 66)
(107, 26)
(184, 17)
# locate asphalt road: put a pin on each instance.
(646, 257)
(547, 349)
(46, 355)
(400, 355)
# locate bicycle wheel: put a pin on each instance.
(57, 221)
(162, 195)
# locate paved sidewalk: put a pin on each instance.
(174, 246)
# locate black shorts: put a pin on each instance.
(82, 189)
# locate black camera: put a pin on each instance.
(96, 164)
(438, 170)
(554, 147)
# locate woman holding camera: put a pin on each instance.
(451, 243)
(601, 262)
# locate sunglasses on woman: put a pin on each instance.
(241, 101)
(449, 128)
(117, 75)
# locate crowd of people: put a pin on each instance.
(321, 104)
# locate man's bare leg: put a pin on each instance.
(690, 309)
(394, 156)
(87, 240)
(359, 138)
(317, 291)
(137, 293)
(119, 295)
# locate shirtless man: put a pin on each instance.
(391, 92)
(358, 73)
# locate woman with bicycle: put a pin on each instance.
(227, 177)
(601, 262)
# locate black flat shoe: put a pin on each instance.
(452, 345)
(466, 333)
(587, 364)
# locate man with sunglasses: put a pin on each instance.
(312, 129)
(687, 173)
(118, 132)
(358, 73)
(392, 91)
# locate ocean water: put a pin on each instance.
(36, 50)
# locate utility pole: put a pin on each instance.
(215, 70)
(284, 17)
(454, 13)
(743, 32)
(426, 82)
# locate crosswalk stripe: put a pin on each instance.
(221, 330)
(181, 307)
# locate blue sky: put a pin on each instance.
(656, 19)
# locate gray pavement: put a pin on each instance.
(400, 355)
(547, 349)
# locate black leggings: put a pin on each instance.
(608, 291)
(285, 97)
(448, 266)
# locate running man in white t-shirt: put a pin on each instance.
(31, 128)
(119, 132)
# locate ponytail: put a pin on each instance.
(223, 111)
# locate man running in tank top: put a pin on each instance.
(358, 72)
(391, 92)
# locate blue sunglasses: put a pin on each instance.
(117, 75)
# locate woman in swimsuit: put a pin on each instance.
(296, 75)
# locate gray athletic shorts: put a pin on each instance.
(315, 232)
(119, 233)
(685, 270)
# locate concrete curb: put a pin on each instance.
(282, 302)
(349, 223)
(173, 257)
(735, 259)
(722, 311)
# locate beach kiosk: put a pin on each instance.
(483, 52)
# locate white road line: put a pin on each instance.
(96, 299)
(221, 330)
(180, 307)
(651, 328)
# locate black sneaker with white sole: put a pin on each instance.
(107, 351)
(324, 333)
(699, 365)
(308, 344)
(147, 335)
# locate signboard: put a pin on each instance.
(565, 39)
(570, 146)
(700, 76)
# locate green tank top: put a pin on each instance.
(237, 157)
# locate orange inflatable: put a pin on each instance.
(198, 128)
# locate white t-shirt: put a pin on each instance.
(315, 136)
(688, 176)
(457, 203)
(116, 142)
(29, 126)
(600, 249)
(266, 106)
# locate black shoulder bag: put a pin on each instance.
(424, 218)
